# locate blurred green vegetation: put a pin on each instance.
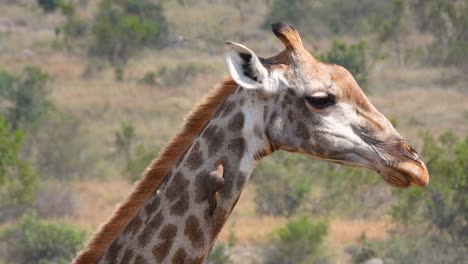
(34, 240)
(27, 95)
(299, 241)
(121, 28)
(18, 182)
(282, 184)
(42, 141)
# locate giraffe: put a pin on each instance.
(290, 102)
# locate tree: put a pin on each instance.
(121, 28)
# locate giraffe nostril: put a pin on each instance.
(409, 152)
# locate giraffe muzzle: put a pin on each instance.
(404, 168)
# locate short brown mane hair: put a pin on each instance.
(155, 173)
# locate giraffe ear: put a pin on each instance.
(244, 66)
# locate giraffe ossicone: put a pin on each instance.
(291, 102)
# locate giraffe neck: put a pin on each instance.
(181, 220)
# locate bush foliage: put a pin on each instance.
(59, 148)
(34, 240)
(121, 28)
(299, 241)
(17, 180)
(49, 5)
(27, 95)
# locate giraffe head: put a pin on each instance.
(318, 109)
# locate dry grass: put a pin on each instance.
(418, 98)
(97, 200)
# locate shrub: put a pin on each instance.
(72, 28)
(353, 57)
(34, 240)
(27, 95)
(149, 78)
(58, 148)
(17, 181)
(121, 28)
(49, 5)
(299, 241)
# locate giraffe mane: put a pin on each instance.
(156, 172)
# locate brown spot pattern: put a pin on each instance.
(195, 157)
(153, 205)
(161, 250)
(181, 205)
(214, 136)
(290, 116)
(113, 252)
(179, 257)
(198, 260)
(133, 226)
(237, 146)
(237, 122)
(193, 232)
(127, 257)
(178, 183)
(150, 229)
(140, 260)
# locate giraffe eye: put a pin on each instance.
(321, 100)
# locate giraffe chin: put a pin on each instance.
(406, 174)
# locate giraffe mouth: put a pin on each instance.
(405, 174)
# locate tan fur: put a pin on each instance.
(155, 173)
